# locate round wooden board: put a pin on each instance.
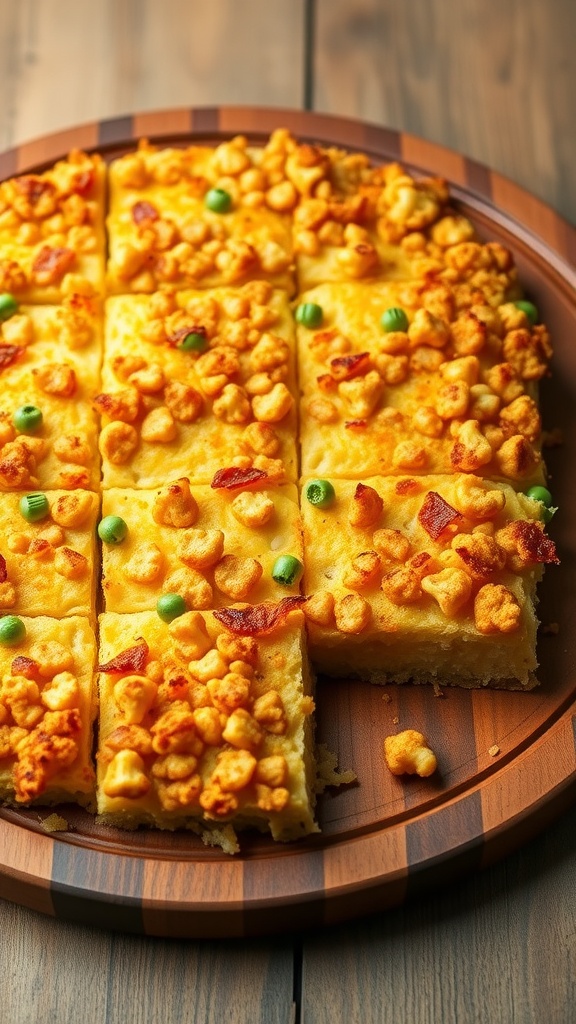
(383, 839)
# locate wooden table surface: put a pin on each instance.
(495, 80)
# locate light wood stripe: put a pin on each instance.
(438, 159)
(26, 867)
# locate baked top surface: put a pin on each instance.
(406, 233)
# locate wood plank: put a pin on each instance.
(216, 53)
(65, 973)
(492, 81)
(498, 946)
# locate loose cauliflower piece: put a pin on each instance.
(450, 587)
(242, 731)
(145, 565)
(175, 505)
(252, 508)
(135, 695)
(201, 549)
(118, 442)
(352, 613)
(159, 426)
(366, 506)
(236, 576)
(363, 570)
(319, 608)
(62, 692)
(189, 632)
(408, 753)
(71, 510)
(234, 770)
(126, 776)
(496, 610)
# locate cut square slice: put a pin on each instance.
(199, 380)
(47, 707)
(428, 579)
(210, 547)
(197, 217)
(205, 728)
(47, 566)
(52, 228)
(397, 379)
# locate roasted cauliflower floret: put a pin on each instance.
(408, 753)
(496, 610)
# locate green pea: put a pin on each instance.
(394, 319)
(193, 342)
(34, 507)
(529, 309)
(309, 314)
(170, 606)
(112, 529)
(12, 630)
(8, 306)
(218, 200)
(286, 570)
(27, 419)
(542, 494)
(320, 493)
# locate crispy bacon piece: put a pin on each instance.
(133, 659)
(143, 211)
(232, 478)
(23, 666)
(533, 544)
(258, 618)
(346, 367)
(52, 263)
(406, 486)
(178, 336)
(356, 424)
(436, 514)
(83, 182)
(34, 188)
(9, 354)
(3, 570)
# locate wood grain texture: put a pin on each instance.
(62, 64)
(493, 80)
(499, 946)
(66, 973)
(166, 884)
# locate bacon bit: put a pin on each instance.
(419, 560)
(258, 618)
(53, 262)
(345, 367)
(34, 188)
(436, 514)
(9, 354)
(182, 332)
(407, 486)
(326, 383)
(356, 424)
(83, 182)
(133, 659)
(533, 544)
(232, 478)
(3, 570)
(23, 666)
(143, 211)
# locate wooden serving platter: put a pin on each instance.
(383, 838)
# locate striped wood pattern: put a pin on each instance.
(383, 839)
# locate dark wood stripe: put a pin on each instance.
(478, 178)
(97, 888)
(298, 881)
(205, 119)
(445, 843)
(116, 129)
